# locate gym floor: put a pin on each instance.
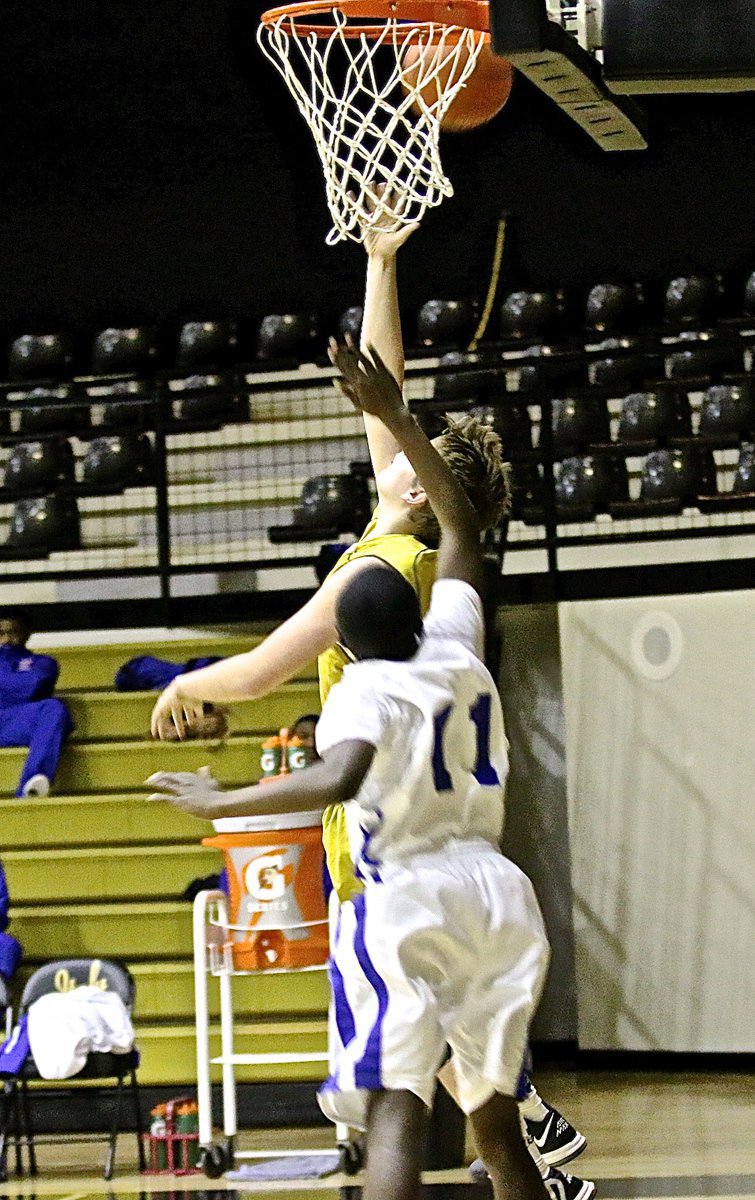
(650, 1134)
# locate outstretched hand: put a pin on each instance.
(379, 238)
(194, 792)
(366, 380)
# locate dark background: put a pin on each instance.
(154, 167)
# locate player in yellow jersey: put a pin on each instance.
(402, 532)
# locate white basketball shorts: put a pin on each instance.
(448, 951)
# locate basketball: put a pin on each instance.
(482, 97)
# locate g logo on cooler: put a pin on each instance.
(264, 877)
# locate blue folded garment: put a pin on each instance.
(290, 1166)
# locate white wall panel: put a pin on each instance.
(659, 699)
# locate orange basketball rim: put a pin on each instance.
(375, 80)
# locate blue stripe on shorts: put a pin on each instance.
(367, 1073)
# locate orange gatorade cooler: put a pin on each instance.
(277, 909)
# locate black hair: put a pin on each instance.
(19, 617)
(378, 615)
(313, 717)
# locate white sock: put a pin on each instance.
(532, 1106)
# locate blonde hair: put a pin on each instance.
(474, 453)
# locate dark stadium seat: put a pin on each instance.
(577, 422)
(692, 301)
(474, 381)
(287, 337)
(208, 401)
(210, 393)
(671, 479)
(613, 308)
(40, 356)
(124, 351)
(588, 484)
(511, 419)
(748, 298)
(744, 479)
(530, 316)
(127, 404)
(446, 323)
(651, 417)
(701, 361)
(118, 461)
(207, 344)
(727, 413)
(329, 505)
(55, 409)
(42, 525)
(34, 468)
(742, 494)
(350, 321)
(526, 481)
(618, 372)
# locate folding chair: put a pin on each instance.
(9, 1119)
(66, 975)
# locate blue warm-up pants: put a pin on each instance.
(43, 726)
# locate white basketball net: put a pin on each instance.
(377, 127)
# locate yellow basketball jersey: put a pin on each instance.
(418, 565)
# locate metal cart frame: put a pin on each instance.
(213, 956)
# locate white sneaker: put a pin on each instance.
(38, 785)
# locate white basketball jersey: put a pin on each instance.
(436, 721)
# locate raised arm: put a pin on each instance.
(370, 386)
(381, 328)
(289, 648)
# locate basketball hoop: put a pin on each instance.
(376, 120)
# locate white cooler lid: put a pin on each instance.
(299, 820)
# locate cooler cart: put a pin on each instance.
(273, 920)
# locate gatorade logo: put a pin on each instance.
(265, 877)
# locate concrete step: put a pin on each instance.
(139, 931)
(103, 873)
(122, 765)
(165, 990)
(169, 1051)
(120, 818)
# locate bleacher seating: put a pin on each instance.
(241, 439)
(95, 870)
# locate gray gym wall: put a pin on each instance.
(632, 730)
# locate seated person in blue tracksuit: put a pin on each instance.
(29, 715)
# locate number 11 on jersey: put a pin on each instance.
(483, 770)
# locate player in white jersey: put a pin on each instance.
(445, 946)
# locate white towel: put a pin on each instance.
(65, 1027)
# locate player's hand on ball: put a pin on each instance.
(210, 725)
(194, 792)
(173, 715)
(366, 380)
